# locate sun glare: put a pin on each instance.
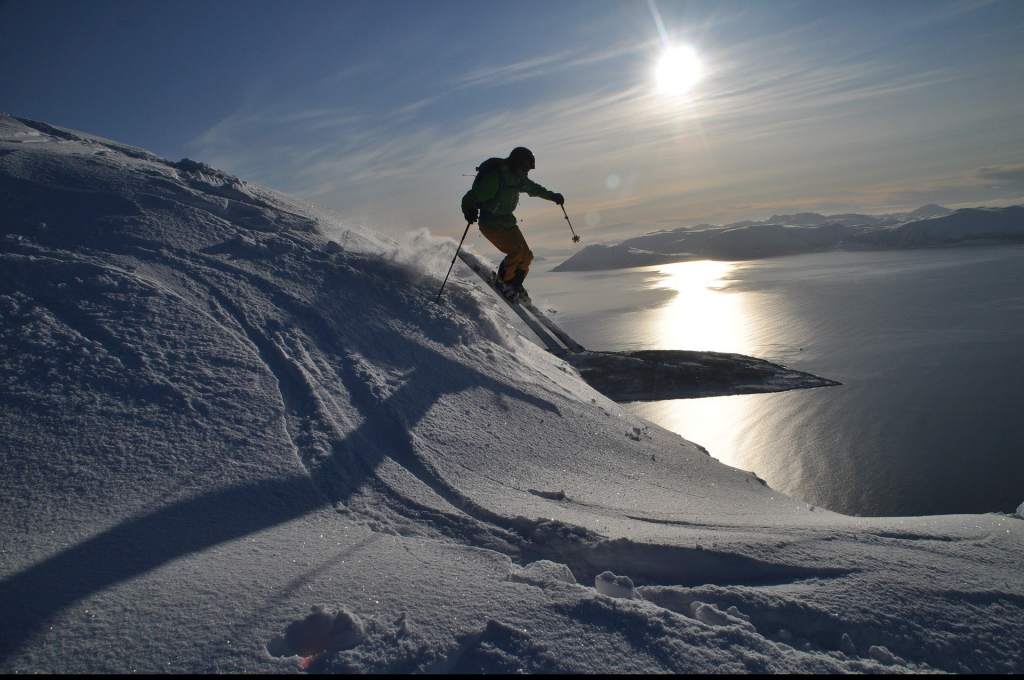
(701, 316)
(678, 70)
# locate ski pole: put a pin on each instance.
(453, 261)
(575, 238)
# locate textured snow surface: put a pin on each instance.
(237, 436)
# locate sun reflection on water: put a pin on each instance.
(702, 315)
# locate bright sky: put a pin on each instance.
(378, 109)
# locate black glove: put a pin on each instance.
(559, 199)
(470, 214)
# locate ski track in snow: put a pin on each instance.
(236, 445)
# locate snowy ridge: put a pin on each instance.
(238, 437)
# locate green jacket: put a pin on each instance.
(496, 192)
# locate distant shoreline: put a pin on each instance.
(755, 241)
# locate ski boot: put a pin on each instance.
(513, 290)
(507, 290)
(519, 293)
(510, 291)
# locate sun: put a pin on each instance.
(678, 70)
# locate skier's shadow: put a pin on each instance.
(31, 598)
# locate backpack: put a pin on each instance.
(490, 164)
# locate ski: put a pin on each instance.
(566, 339)
(538, 329)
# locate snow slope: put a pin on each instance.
(236, 436)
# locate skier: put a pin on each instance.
(493, 198)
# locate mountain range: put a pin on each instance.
(928, 226)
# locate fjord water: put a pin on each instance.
(927, 343)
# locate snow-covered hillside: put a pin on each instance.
(237, 436)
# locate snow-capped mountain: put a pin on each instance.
(928, 226)
(237, 436)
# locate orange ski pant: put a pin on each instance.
(510, 241)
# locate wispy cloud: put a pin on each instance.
(506, 73)
(991, 186)
(941, 12)
(1005, 175)
(546, 65)
(781, 95)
